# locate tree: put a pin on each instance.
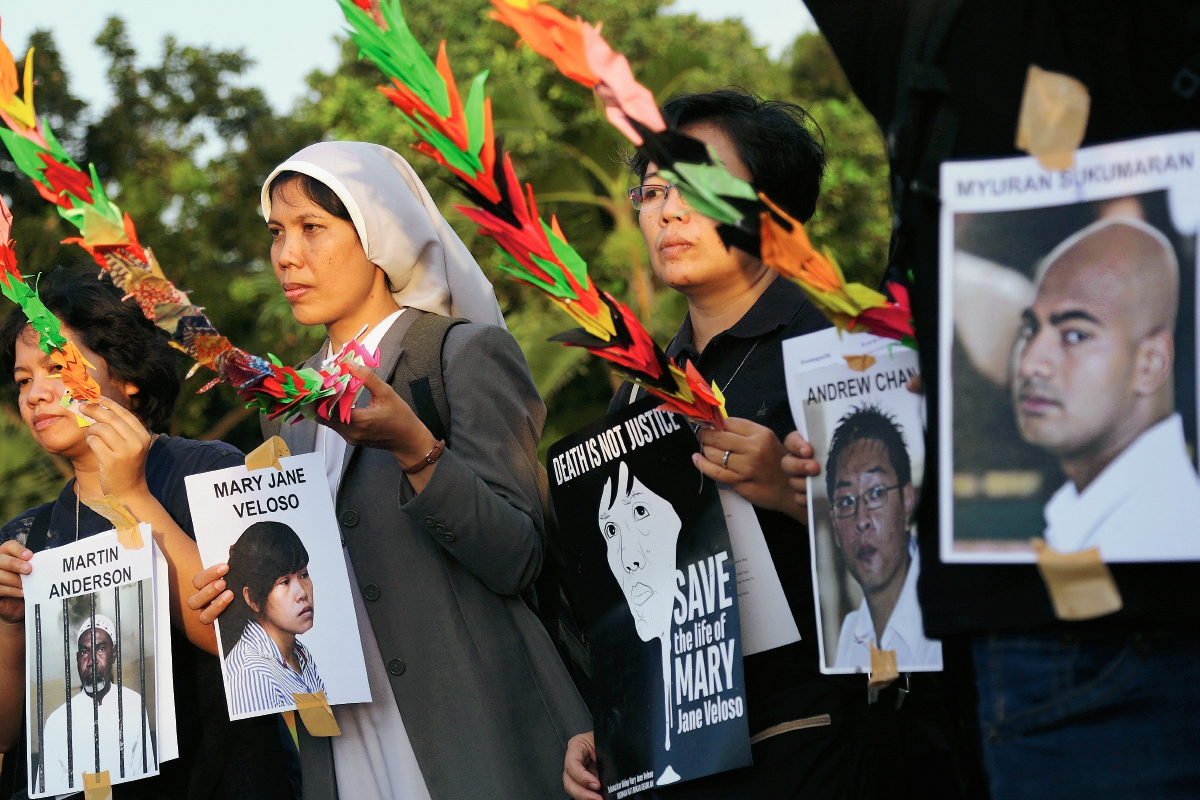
(185, 151)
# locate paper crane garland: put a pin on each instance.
(748, 220)
(79, 384)
(461, 138)
(110, 237)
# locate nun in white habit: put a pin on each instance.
(442, 532)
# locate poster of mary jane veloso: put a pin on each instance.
(1068, 325)
(291, 628)
(656, 573)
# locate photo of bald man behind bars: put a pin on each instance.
(93, 706)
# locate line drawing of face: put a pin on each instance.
(641, 530)
(1092, 360)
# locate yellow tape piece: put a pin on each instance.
(317, 715)
(268, 454)
(122, 519)
(883, 667)
(1080, 584)
(1054, 117)
(860, 363)
(97, 786)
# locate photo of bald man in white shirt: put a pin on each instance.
(1093, 385)
(106, 723)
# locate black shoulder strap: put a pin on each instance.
(418, 376)
(40, 530)
(925, 124)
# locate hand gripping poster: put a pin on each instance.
(657, 575)
(291, 628)
(1068, 331)
(99, 699)
(850, 398)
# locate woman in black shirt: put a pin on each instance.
(739, 313)
(118, 455)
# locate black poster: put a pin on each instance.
(656, 574)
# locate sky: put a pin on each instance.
(285, 46)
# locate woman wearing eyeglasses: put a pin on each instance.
(869, 478)
(739, 313)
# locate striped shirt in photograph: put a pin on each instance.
(258, 678)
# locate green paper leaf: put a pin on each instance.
(702, 201)
(567, 255)
(474, 113)
(463, 162)
(47, 326)
(397, 53)
(25, 155)
(100, 201)
(56, 150)
(521, 272)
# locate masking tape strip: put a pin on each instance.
(268, 454)
(1080, 584)
(1054, 117)
(113, 510)
(316, 714)
(97, 786)
(795, 725)
(883, 667)
(860, 363)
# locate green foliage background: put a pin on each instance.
(185, 148)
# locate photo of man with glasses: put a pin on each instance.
(869, 481)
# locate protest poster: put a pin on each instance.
(291, 628)
(850, 399)
(1068, 346)
(99, 697)
(660, 606)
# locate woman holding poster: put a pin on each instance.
(119, 455)
(442, 533)
(739, 313)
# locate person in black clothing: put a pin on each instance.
(1058, 704)
(118, 455)
(739, 313)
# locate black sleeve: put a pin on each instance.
(866, 36)
(196, 458)
(19, 526)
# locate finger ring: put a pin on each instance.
(725, 461)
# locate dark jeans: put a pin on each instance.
(1090, 716)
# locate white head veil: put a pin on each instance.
(400, 228)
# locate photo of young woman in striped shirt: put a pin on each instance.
(265, 662)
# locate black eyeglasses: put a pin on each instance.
(650, 196)
(846, 506)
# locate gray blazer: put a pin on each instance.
(487, 703)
